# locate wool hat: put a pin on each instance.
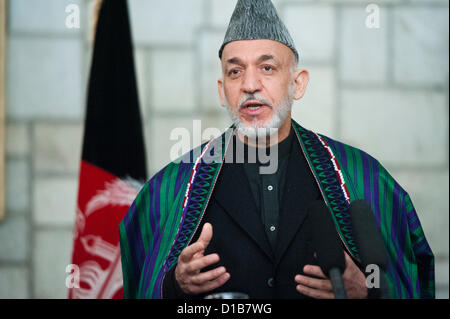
(257, 19)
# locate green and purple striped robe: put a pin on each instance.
(165, 215)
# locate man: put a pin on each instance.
(214, 222)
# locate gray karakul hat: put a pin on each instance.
(257, 19)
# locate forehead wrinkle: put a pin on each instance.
(262, 58)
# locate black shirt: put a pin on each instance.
(266, 172)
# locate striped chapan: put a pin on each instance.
(166, 213)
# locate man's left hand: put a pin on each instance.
(321, 288)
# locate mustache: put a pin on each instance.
(254, 97)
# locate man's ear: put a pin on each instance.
(220, 89)
(301, 79)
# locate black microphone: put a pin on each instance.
(330, 256)
(370, 244)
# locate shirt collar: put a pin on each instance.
(283, 148)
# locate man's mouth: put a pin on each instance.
(253, 107)
(253, 104)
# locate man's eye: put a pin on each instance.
(268, 68)
(234, 72)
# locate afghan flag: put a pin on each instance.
(113, 165)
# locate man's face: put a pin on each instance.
(258, 85)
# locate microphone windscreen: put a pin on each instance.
(367, 235)
(326, 240)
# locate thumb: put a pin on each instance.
(206, 235)
(348, 260)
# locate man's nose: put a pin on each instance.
(252, 82)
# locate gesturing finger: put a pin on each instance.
(196, 265)
(187, 253)
(314, 270)
(211, 275)
(206, 234)
(321, 284)
(349, 264)
(211, 285)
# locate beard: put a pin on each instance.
(261, 129)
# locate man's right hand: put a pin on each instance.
(191, 261)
